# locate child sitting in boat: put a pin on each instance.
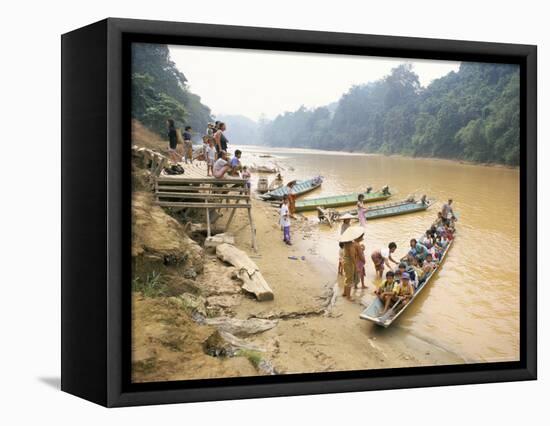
(439, 221)
(285, 221)
(421, 272)
(429, 265)
(385, 291)
(417, 249)
(402, 290)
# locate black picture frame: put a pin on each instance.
(96, 211)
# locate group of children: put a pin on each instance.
(418, 264)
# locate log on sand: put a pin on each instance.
(248, 271)
(240, 327)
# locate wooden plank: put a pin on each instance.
(201, 195)
(208, 232)
(203, 205)
(202, 190)
(176, 180)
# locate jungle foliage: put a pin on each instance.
(471, 114)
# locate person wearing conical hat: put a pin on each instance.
(346, 222)
(351, 240)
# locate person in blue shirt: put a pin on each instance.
(235, 163)
(417, 250)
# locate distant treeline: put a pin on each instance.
(159, 91)
(472, 114)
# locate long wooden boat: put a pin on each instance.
(262, 169)
(301, 187)
(372, 312)
(395, 209)
(342, 200)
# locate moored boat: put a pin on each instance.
(262, 187)
(387, 210)
(342, 200)
(300, 187)
(373, 312)
(262, 169)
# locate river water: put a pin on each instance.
(472, 307)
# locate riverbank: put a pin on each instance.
(315, 328)
(307, 338)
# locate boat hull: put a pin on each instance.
(302, 187)
(339, 201)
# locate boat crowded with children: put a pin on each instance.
(375, 310)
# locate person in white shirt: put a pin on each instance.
(285, 221)
(221, 166)
(382, 258)
(210, 156)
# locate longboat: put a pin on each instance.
(300, 187)
(372, 312)
(342, 200)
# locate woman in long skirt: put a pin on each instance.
(361, 210)
(351, 240)
(350, 269)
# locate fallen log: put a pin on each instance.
(223, 344)
(239, 327)
(216, 240)
(247, 271)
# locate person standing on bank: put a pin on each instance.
(188, 145)
(291, 199)
(346, 222)
(220, 141)
(361, 210)
(172, 141)
(352, 241)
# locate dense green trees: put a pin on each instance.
(472, 114)
(159, 91)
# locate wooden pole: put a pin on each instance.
(253, 229)
(208, 233)
(233, 210)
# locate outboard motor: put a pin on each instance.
(369, 189)
(386, 190)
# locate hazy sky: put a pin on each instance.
(254, 82)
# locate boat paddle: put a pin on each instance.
(386, 316)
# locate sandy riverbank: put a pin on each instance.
(317, 330)
(309, 341)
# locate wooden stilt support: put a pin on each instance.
(252, 229)
(208, 232)
(230, 217)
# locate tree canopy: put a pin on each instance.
(471, 114)
(159, 91)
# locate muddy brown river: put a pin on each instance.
(471, 308)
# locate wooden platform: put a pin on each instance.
(194, 189)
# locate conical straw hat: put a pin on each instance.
(352, 233)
